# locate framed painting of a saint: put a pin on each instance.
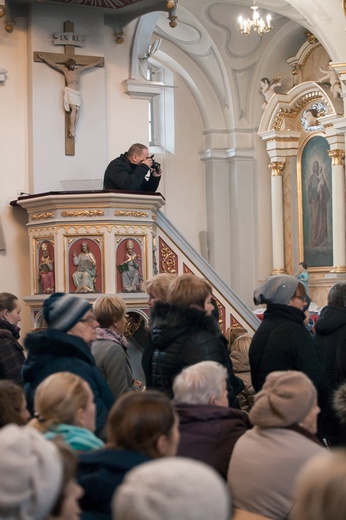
(315, 212)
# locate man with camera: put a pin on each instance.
(133, 171)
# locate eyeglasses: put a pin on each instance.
(88, 319)
(302, 298)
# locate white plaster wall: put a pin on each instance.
(49, 163)
(14, 261)
(183, 184)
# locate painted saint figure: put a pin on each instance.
(72, 97)
(318, 196)
(84, 277)
(130, 275)
(46, 270)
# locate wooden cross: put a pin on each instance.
(58, 62)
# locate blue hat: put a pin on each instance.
(62, 311)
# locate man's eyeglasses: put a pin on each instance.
(303, 298)
(88, 319)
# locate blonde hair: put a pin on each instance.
(232, 333)
(160, 284)
(188, 290)
(241, 345)
(108, 310)
(321, 488)
(57, 400)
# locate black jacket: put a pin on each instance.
(282, 342)
(99, 473)
(330, 341)
(183, 336)
(121, 174)
(52, 351)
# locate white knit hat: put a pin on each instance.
(30, 473)
(173, 488)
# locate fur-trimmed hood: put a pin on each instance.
(167, 322)
(339, 402)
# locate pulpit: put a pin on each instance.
(91, 243)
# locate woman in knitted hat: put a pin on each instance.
(282, 341)
(267, 459)
(64, 407)
(31, 474)
(175, 488)
(64, 346)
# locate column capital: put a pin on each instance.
(337, 157)
(276, 168)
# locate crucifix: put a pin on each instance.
(71, 65)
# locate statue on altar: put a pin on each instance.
(129, 269)
(46, 270)
(84, 277)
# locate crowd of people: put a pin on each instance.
(222, 426)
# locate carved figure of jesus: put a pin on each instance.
(72, 97)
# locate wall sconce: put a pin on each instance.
(3, 73)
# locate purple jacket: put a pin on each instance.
(208, 433)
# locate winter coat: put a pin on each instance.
(51, 351)
(208, 433)
(183, 336)
(99, 473)
(282, 342)
(330, 341)
(11, 353)
(110, 353)
(121, 174)
(264, 467)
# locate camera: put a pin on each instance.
(155, 165)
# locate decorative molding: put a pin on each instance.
(168, 259)
(337, 157)
(276, 168)
(122, 213)
(83, 213)
(42, 216)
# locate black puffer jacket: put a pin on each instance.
(330, 341)
(282, 342)
(330, 332)
(183, 336)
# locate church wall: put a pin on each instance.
(50, 165)
(14, 260)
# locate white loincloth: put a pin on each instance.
(71, 97)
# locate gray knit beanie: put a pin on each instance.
(276, 289)
(285, 399)
(31, 474)
(62, 311)
(173, 488)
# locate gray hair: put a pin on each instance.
(198, 383)
(337, 295)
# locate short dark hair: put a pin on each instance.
(7, 301)
(337, 295)
(11, 400)
(136, 149)
(138, 419)
(304, 265)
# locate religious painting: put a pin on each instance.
(44, 261)
(130, 264)
(84, 260)
(315, 215)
